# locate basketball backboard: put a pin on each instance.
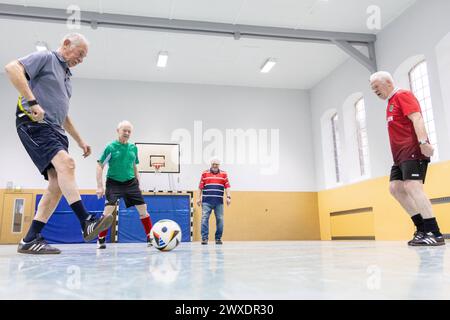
(163, 155)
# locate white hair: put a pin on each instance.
(75, 39)
(215, 160)
(382, 76)
(124, 123)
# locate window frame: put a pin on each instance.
(363, 146)
(336, 144)
(432, 134)
(22, 213)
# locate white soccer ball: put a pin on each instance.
(165, 235)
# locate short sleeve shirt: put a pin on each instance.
(121, 158)
(402, 136)
(48, 76)
(213, 186)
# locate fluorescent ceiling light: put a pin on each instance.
(163, 56)
(268, 65)
(41, 46)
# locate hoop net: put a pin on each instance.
(158, 166)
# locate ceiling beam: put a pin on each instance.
(344, 40)
(367, 61)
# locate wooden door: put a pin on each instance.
(16, 216)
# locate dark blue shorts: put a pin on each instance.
(42, 142)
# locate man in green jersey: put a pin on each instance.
(122, 179)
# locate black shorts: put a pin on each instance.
(128, 190)
(410, 170)
(42, 142)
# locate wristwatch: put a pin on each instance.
(421, 142)
(32, 103)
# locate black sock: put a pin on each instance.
(431, 225)
(81, 212)
(418, 222)
(35, 228)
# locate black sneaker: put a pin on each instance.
(37, 246)
(219, 241)
(417, 236)
(101, 243)
(204, 241)
(428, 240)
(94, 226)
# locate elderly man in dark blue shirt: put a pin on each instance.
(43, 82)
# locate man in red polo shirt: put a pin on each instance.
(213, 183)
(411, 152)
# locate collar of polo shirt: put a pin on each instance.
(393, 93)
(61, 59)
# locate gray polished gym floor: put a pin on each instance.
(236, 270)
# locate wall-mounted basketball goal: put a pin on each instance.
(159, 159)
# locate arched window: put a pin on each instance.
(420, 86)
(336, 145)
(361, 136)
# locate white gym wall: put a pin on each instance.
(157, 110)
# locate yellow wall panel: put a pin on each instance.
(258, 216)
(267, 216)
(2, 192)
(306, 215)
(390, 220)
(442, 212)
(358, 224)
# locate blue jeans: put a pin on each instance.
(206, 212)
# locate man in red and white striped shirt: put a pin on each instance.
(213, 184)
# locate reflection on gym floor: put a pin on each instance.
(236, 270)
